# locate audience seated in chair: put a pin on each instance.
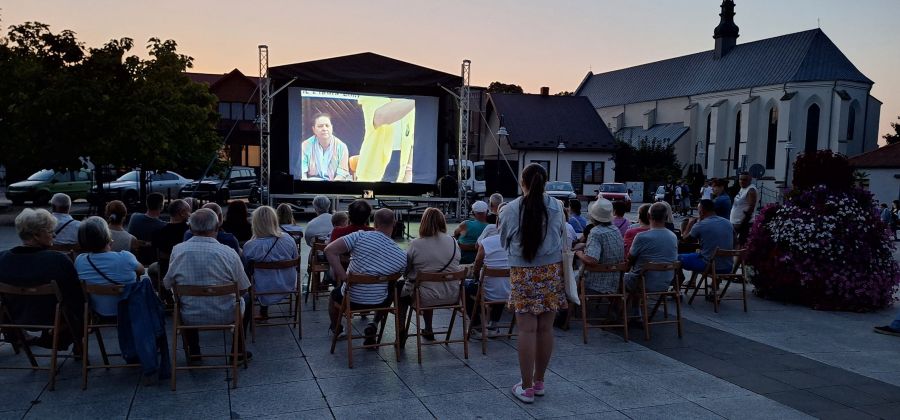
(320, 226)
(34, 264)
(222, 236)
(468, 232)
(203, 261)
(121, 239)
(372, 252)
(359, 212)
(713, 232)
(491, 254)
(642, 225)
(604, 246)
(270, 244)
(434, 251)
(144, 226)
(66, 230)
(657, 245)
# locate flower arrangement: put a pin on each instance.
(824, 247)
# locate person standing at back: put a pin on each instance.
(531, 230)
(743, 208)
(722, 203)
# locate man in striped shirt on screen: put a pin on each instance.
(373, 253)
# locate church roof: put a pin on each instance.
(670, 133)
(882, 157)
(543, 121)
(799, 57)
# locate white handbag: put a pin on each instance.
(570, 279)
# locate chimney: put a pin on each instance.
(726, 33)
(545, 91)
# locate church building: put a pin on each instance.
(739, 105)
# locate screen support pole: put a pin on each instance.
(265, 114)
(462, 155)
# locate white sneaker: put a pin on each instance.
(524, 395)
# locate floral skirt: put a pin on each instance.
(536, 290)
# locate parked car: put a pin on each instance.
(240, 182)
(614, 191)
(127, 187)
(41, 185)
(561, 190)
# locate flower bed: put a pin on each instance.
(824, 248)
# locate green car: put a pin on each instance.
(41, 185)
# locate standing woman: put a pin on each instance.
(531, 230)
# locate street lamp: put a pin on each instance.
(787, 161)
(559, 147)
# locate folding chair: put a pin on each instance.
(8, 324)
(93, 322)
(459, 306)
(348, 312)
(620, 295)
(661, 297)
(71, 250)
(711, 278)
(483, 305)
(293, 298)
(235, 328)
(315, 271)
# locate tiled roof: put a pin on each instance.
(542, 122)
(668, 132)
(882, 157)
(799, 57)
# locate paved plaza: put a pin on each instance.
(774, 362)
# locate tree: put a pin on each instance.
(895, 136)
(63, 101)
(500, 87)
(564, 93)
(651, 160)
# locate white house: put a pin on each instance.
(738, 105)
(882, 166)
(562, 133)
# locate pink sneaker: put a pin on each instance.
(538, 388)
(524, 395)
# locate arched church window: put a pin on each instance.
(736, 152)
(772, 138)
(708, 128)
(851, 123)
(812, 129)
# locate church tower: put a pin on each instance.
(726, 33)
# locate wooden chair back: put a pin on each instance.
(620, 296)
(468, 247)
(392, 307)
(276, 265)
(662, 296)
(483, 305)
(9, 324)
(459, 306)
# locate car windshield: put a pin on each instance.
(612, 188)
(43, 175)
(559, 186)
(131, 176)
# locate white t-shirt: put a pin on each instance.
(706, 193)
(495, 288)
(741, 205)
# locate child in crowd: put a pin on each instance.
(340, 219)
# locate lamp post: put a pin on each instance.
(559, 147)
(787, 161)
(501, 133)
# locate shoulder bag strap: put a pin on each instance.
(564, 236)
(60, 229)
(451, 258)
(270, 249)
(105, 277)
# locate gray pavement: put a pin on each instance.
(775, 361)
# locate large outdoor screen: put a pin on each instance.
(362, 137)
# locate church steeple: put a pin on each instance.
(726, 33)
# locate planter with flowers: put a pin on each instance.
(825, 247)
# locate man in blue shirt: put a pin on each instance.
(576, 220)
(713, 232)
(722, 203)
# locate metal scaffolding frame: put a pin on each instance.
(463, 146)
(265, 114)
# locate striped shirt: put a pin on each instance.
(376, 254)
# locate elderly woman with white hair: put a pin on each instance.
(99, 264)
(270, 244)
(320, 226)
(33, 264)
(66, 230)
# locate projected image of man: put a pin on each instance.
(324, 156)
(390, 126)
